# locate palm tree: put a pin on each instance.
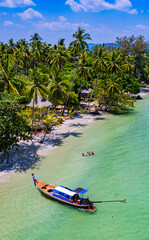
(59, 57)
(57, 89)
(80, 44)
(99, 67)
(112, 86)
(36, 48)
(8, 74)
(37, 88)
(35, 39)
(11, 46)
(114, 62)
(128, 66)
(61, 41)
(48, 122)
(83, 71)
(23, 54)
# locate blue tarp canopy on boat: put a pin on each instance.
(80, 190)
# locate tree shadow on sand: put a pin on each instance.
(78, 125)
(22, 160)
(27, 156)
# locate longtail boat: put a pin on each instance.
(66, 195)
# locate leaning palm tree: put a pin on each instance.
(8, 74)
(57, 89)
(48, 122)
(83, 71)
(99, 67)
(37, 88)
(79, 44)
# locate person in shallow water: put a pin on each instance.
(88, 153)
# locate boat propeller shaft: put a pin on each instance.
(124, 201)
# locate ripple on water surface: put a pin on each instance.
(118, 170)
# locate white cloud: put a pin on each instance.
(30, 14)
(62, 25)
(3, 14)
(62, 19)
(133, 11)
(16, 3)
(137, 30)
(99, 5)
(8, 23)
(142, 27)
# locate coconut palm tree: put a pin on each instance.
(114, 62)
(83, 71)
(36, 48)
(37, 87)
(128, 67)
(22, 54)
(57, 89)
(35, 39)
(11, 46)
(8, 74)
(112, 85)
(59, 57)
(61, 41)
(49, 122)
(80, 44)
(99, 67)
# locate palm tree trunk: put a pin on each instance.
(33, 115)
(80, 87)
(72, 82)
(42, 140)
(26, 66)
(92, 91)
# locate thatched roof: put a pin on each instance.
(40, 103)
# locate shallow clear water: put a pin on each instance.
(119, 169)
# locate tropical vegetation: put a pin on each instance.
(59, 74)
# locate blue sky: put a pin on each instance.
(52, 19)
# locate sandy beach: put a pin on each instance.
(30, 152)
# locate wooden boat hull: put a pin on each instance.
(48, 191)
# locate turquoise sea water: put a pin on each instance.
(119, 169)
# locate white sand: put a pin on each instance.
(30, 152)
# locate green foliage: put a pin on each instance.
(58, 89)
(129, 84)
(58, 73)
(60, 120)
(13, 126)
(73, 100)
(49, 121)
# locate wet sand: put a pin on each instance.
(31, 152)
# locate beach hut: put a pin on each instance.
(85, 93)
(40, 103)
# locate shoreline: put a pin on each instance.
(31, 152)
